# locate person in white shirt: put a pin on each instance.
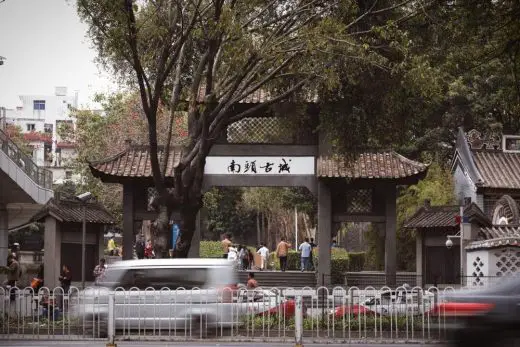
(264, 254)
(306, 253)
(232, 253)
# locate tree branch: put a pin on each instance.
(177, 87)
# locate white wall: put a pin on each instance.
(478, 264)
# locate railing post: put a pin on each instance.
(298, 322)
(111, 321)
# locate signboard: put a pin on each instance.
(238, 165)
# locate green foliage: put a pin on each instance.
(375, 256)
(341, 260)
(438, 188)
(15, 134)
(210, 249)
(352, 323)
(357, 261)
(226, 214)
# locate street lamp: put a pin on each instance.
(460, 236)
(84, 198)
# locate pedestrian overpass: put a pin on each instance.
(24, 187)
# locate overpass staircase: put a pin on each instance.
(24, 187)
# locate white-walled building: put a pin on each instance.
(39, 118)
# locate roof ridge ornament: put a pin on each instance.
(490, 140)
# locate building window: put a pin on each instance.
(48, 128)
(511, 143)
(39, 105)
(68, 174)
(31, 127)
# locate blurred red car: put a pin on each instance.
(354, 310)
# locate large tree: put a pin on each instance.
(207, 56)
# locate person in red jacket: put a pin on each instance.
(148, 250)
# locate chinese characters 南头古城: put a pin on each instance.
(250, 167)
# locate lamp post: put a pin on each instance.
(84, 198)
(460, 236)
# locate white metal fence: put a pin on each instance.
(314, 314)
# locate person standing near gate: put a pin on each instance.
(306, 252)
(139, 247)
(226, 243)
(112, 249)
(264, 256)
(281, 252)
(311, 259)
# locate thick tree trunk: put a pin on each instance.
(162, 232)
(188, 226)
(258, 231)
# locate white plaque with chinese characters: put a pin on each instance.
(239, 165)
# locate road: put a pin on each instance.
(178, 344)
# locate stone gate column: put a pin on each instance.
(194, 251)
(390, 236)
(52, 252)
(128, 221)
(324, 233)
(4, 235)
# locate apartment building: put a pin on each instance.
(40, 117)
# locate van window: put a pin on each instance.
(158, 278)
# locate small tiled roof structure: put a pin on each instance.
(489, 167)
(381, 165)
(429, 217)
(134, 162)
(71, 211)
(498, 169)
(496, 236)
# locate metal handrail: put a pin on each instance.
(39, 175)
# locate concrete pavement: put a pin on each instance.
(187, 344)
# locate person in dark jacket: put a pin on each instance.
(139, 247)
(65, 282)
(13, 275)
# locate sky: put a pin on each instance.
(44, 45)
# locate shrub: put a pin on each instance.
(356, 261)
(210, 249)
(341, 260)
(385, 323)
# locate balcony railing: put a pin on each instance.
(39, 175)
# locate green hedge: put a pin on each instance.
(354, 324)
(341, 260)
(210, 249)
(357, 261)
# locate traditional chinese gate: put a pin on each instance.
(267, 151)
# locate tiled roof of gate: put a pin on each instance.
(498, 169)
(383, 165)
(66, 210)
(134, 162)
(444, 216)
